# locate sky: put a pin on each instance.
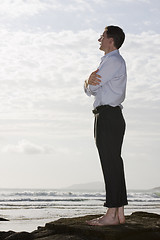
(47, 49)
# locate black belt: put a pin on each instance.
(100, 108)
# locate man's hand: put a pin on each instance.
(94, 78)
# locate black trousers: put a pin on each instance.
(109, 129)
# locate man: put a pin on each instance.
(108, 85)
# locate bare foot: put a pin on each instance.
(103, 221)
(110, 218)
(121, 216)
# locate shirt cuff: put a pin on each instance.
(87, 91)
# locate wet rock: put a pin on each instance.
(20, 236)
(3, 219)
(42, 232)
(3, 235)
(63, 237)
(138, 226)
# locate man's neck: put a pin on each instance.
(110, 50)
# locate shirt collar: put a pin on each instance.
(110, 54)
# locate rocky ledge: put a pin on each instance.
(3, 219)
(138, 226)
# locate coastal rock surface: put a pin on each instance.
(3, 219)
(138, 226)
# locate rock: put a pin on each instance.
(145, 214)
(45, 234)
(42, 232)
(20, 236)
(63, 237)
(138, 226)
(3, 219)
(3, 235)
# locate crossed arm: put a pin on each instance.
(93, 79)
(111, 69)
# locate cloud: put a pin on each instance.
(45, 71)
(26, 147)
(42, 77)
(142, 61)
(47, 50)
(130, 1)
(40, 70)
(57, 15)
(20, 8)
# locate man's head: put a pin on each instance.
(112, 38)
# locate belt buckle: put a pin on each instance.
(95, 111)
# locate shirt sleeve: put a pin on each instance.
(107, 71)
(88, 91)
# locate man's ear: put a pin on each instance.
(111, 40)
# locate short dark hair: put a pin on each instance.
(117, 34)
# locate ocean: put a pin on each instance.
(27, 209)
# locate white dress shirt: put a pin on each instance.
(112, 88)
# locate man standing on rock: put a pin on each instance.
(108, 85)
